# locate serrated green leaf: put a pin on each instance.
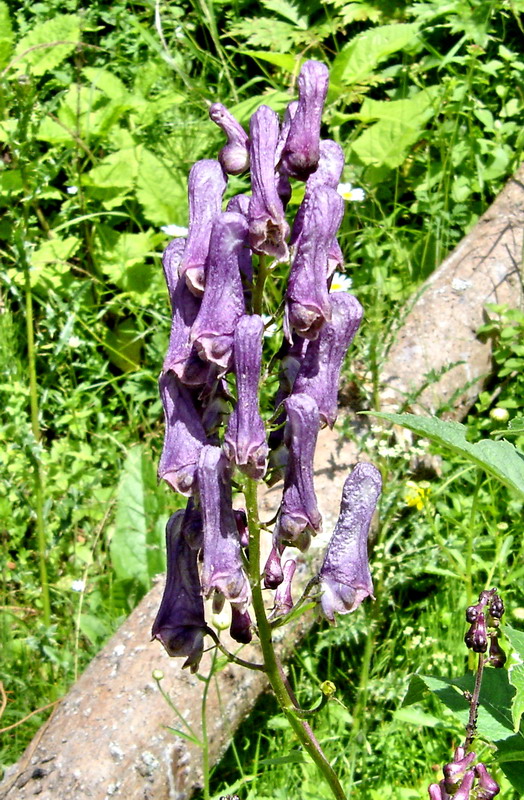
(287, 10)
(387, 142)
(108, 83)
(48, 44)
(422, 104)
(122, 257)
(500, 459)
(358, 58)
(161, 191)
(516, 673)
(6, 35)
(118, 169)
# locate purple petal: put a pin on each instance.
(273, 574)
(434, 792)
(268, 228)
(344, 575)
(234, 157)
(222, 569)
(283, 598)
(302, 149)
(299, 515)
(240, 205)
(328, 172)
(180, 623)
(182, 357)
(206, 186)
(184, 435)
(487, 786)
(171, 259)
(308, 306)
(245, 439)
(466, 785)
(223, 301)
(319, 374)
(240, 629)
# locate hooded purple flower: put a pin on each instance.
(301, 151)
(234, 156)
(268, 228)
(273, 574)
(171, 259)
(307, 305)
(487, 787)
(240, 205)
(206, 186)
(344, 576)
(184, 435)
(180, 623)
(223, 301)
(245, 439)
(240, 629)
(182, 357)
(299, 515)
(328, 172)
(319, 374)
(466, 785)
(222, 569)
(283, 598)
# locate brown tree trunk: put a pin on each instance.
(110, 736)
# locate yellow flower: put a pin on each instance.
(417, 494)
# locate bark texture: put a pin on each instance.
(109, 737)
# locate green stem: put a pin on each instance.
(37, 463)
(258, 289)
(274, 673)
(205, 741)
(469, 555)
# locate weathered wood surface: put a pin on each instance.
(109, 737)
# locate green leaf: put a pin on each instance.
(500, 459)
(358, 58)
(414, 716)
(49, 263)
(138, 538)
(118, 169)
(108, 83)
(288, 11)
(6, 35)
(123, 258)
(422, 104)
(284, 61)
(278, 101)
(48, 44)
(161, 191)
(516, 673)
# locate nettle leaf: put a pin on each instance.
(123, 258)
(161, 191)
(359, 58)
(118, 169)
(422, 104)
(137, 544)
(108, 83)
(500, 459)
(287, 10)
(6, 35)
(516, 673)
(48, 44)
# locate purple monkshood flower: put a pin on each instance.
(234, 156)
(487, 787)
(344, 576)
(319, 373)
(245, 438)
(206, 186)
(283, 598)
(182, 357)
(180, 623)
(184, 435)
(307, 298)
(268, 228)
(299, 514)
(223, 301)
(222, 568)
(456, 769)
(273, 574)
(171, 258)
(240, 205)
(466, 785)
(301, 151)
(240, 629)
(328, 172)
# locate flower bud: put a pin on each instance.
(487, 787)
(497, 656)
(476, 637)
(234, 156)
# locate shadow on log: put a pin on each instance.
(110, 736)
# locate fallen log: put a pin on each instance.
(110, 736)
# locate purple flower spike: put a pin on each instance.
(488, 787)
(222, 567)
(184, 435)
(245, 439)
(319, 373)
(308, 306)
(268, 228)
(223, 301)
(344, 576)
(283, 598)
(299, 515)
(206, 186)
(301, 152)
(328, 172)
(466, 785)
(234, 156)
(240, 629)
(171, 259)
(180, 623)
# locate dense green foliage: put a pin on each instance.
(102, 112)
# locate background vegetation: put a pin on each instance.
(103, 109)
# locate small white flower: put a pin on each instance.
(353, 194)
(74, 342)
(78, 586)
(341, 282)
(72, 189)
(175, 231)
